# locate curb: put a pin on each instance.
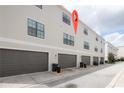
(115, 79)
(36, 86)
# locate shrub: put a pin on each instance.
(111, 58)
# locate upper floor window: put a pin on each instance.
(96, 49)
(39, 6)
(97, 39)
(68, 39)
(101, 50)
(35, 29)
(86, 45)
(85, 31)
(66, 19)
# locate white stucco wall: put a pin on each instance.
(109, 48)
(13, 32)
(120, 51)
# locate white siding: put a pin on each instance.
(13, 32)
(120, 51)
(109, 48)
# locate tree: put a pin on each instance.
(111, 58)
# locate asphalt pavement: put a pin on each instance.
(98, 79)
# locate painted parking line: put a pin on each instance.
(115, 79)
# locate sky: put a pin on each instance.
(106, 20)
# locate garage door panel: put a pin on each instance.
(22, 69)
(102, 59)
(23, 57)
(7, 67)
(9, 73)
(96, 59)
(85, 59)
(36, 66)
(14, 72)
(19, 71)
(0, 63)
(20, 62)
(66, 61)
(36, 58)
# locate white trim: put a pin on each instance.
(115, 79)
(8, 40)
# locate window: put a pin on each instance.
(101, 50)
(86, 45)
(96, 49)
(66, 19)
(68, 39)
(35, 29)
(39, 6)
(85, 31)
(96, 39)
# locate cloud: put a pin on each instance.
(116, 38)
(112, 37)
(107, 21)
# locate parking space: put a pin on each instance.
(46, 79)
(27, 80)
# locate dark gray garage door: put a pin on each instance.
(13, 62)
(101, 59)
(66, 61)
(85, 59)
(95, 59)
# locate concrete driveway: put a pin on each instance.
(98, 79)
(26, 80)
(46, 79)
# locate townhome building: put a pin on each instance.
(120, 52)
(32, 38)
(110, 48)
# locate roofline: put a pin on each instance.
(111, 44)
(63, 8)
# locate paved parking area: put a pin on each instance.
(98, 79)
(76, 73)
(46, 79)
(119, 82)
(25, 80)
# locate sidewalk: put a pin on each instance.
(98, 79)
(46, 79)
(118, 81)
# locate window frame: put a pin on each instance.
(86, 45)
(68, 39)
(66, 19)
(101, 50)
(85, 31)
(97, 39)
(39, 32)
(96, 49)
